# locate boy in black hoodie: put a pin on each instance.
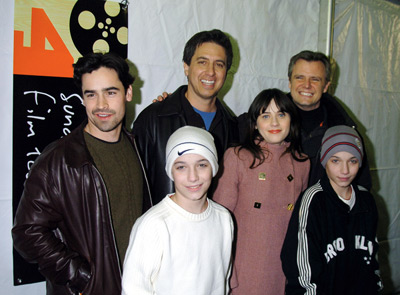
(330, 246)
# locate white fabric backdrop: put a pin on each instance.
(367, 49)
(266, 34)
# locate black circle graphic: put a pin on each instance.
(105, 27)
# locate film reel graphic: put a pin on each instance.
(99, 25)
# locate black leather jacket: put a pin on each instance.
(334, 115)
(159, 120)
(63, 221)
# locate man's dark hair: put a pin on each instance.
(93, 61)
(213, 36)
(311, 56)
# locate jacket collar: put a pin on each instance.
(359, 206)
(76, 151)
(178, 103)
(334, 112)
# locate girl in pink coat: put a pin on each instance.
(260, 183)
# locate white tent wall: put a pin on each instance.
(367, 50)
(265, 33)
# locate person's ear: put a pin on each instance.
(128, 94)
(327, 86)
(186, 68)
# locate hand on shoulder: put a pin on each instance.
(161, 97)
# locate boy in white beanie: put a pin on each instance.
(330, 246)
(183, 244)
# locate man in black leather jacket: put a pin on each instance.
(85, 191)
(207, 57)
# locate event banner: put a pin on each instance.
(49, 36)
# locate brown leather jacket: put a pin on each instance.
(63, 221)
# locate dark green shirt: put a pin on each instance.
(119, 166)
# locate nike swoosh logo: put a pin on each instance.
(182, 152)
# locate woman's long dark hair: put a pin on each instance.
(253, 137)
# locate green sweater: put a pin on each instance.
(119, 166)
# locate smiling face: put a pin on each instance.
(341, 169)
(206, 74)
(273, 125)
(307, 84)
(192, 174)
(104, 98)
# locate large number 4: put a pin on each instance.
(37, 60)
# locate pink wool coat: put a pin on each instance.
(262, 201)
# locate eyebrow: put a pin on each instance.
(183, 162)
(336, 157)
(267, 112)
(111, 88)
(303, 75)
(104, 89)
(206, 58)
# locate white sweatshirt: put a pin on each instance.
(175, 252)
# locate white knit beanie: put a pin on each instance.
(341, 138)
(190, 140)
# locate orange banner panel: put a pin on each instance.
(36, 60)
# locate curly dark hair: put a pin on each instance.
(93, 61)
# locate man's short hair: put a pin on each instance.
(93, 61)
(309, 56)
(213, 36)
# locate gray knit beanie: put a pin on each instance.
(190, 140)
(341, 138)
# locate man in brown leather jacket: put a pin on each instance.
(85, 191)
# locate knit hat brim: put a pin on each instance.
(190, 140)
(341, 138)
